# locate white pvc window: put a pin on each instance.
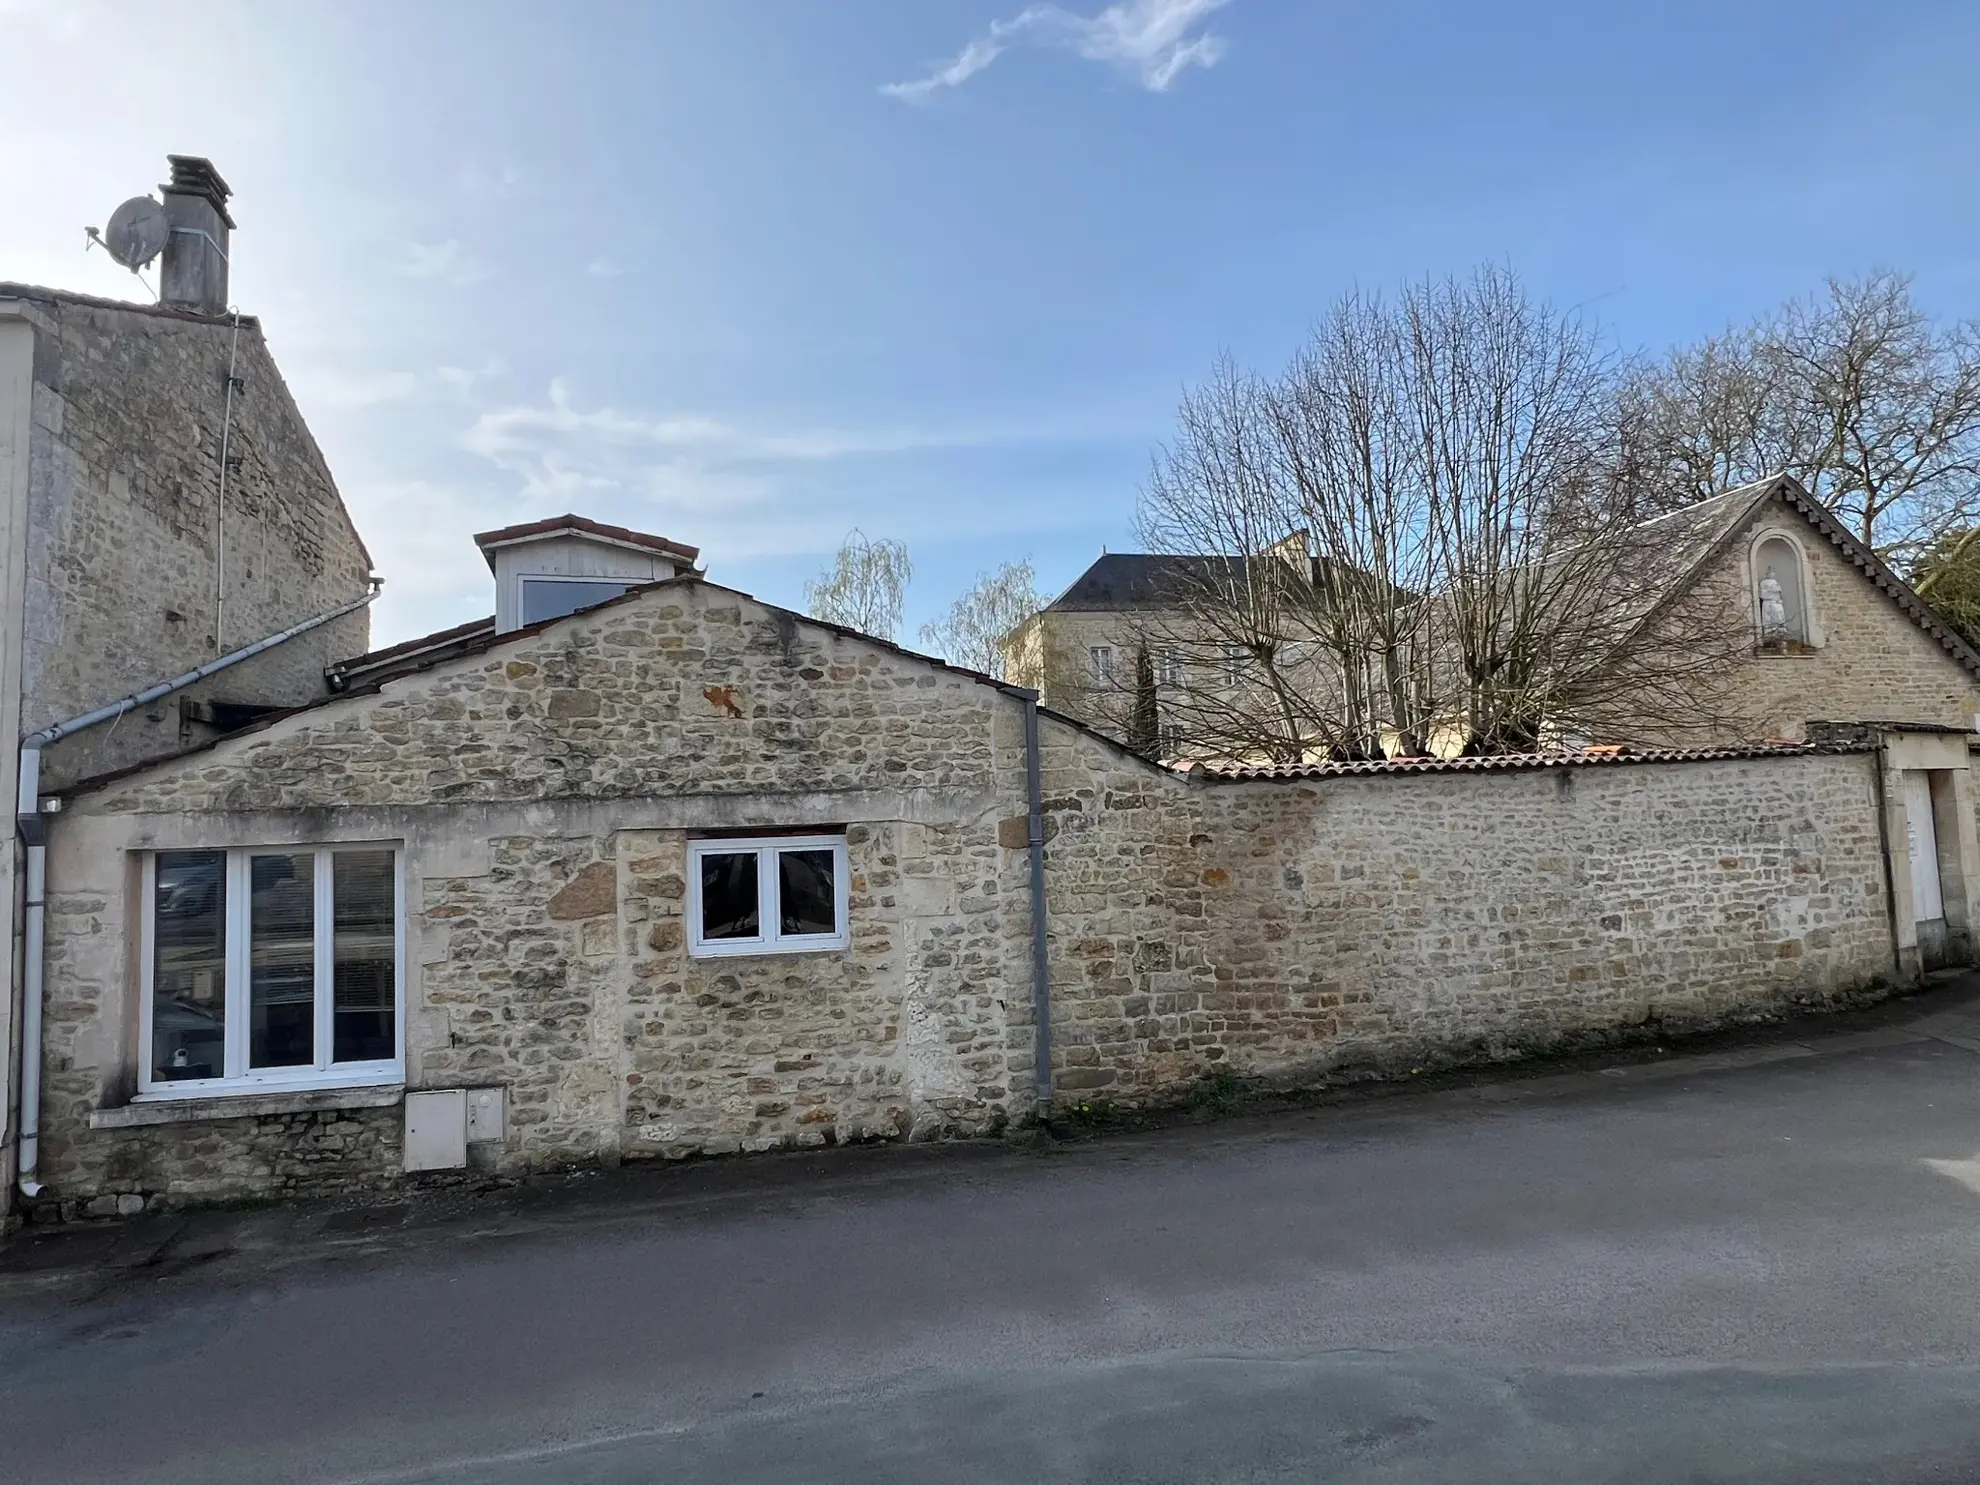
(1101, 657)
(553, 597)
(775, 895)
(1168, 668)
(272, 967)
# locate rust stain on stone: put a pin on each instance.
(724, 697)
(1215, 876)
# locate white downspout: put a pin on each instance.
(31, 950)
(28, 820)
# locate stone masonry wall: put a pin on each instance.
(545, 793)
(1282, 928)
(124, 526)
(1871, 663)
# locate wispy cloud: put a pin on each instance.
(505, 431)
(446, 262)
(1154, 40)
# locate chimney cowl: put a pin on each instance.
(194, 175)
(193, 274)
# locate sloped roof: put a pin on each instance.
(1510, 762)
(1141, 580)
(582, 526)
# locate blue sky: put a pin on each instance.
(693, 267)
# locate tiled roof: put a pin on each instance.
(589, 527)
(1508, 762)
(35, 293)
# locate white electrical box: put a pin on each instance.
(485, 1116)
(436, 1130)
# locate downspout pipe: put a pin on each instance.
(1041, 964)
(29, 822)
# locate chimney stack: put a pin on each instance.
(194, 271)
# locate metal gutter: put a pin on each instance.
(28, 821)
(1041, 965)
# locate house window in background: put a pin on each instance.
(1230, 664)
(271, 967)
(1168, 668)
(780, 895)
(1102, 659)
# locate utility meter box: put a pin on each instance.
(436, 1130)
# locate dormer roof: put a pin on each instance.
(573, 525)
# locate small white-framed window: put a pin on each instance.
(784, 894)
(272, 966)
(553, 597)
(1168, 667)
(1101, 658)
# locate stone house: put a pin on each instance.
(682, 873)
(1845, 637)
(175, 560)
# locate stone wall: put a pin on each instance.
(124, 537)
(1282, 928)
(545, 793)
(1870, 661)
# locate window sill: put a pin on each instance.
(246, 1105)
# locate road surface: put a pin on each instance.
(1756, 1266)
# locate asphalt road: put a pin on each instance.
(1760, 1268)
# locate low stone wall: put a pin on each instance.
(1284, 928)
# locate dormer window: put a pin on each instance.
(1780, 595)
(547, 569)
(553, 597)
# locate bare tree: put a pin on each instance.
(973, 632)
(1856, 391)
(1407, 539)
(865, 588)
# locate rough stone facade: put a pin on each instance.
(1284, 928)
(1869, 659)
(545, 793)
(124, 532)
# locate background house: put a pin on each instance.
(1733, 621)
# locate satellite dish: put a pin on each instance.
(138, 232)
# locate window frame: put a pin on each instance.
(1169, 667)
(770, 938)
(236, 921)
(524, 579)
(1101, 668)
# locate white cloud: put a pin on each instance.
(603, 267)
(1155, 40)
(447, 262)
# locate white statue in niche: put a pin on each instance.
(1773, 608)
